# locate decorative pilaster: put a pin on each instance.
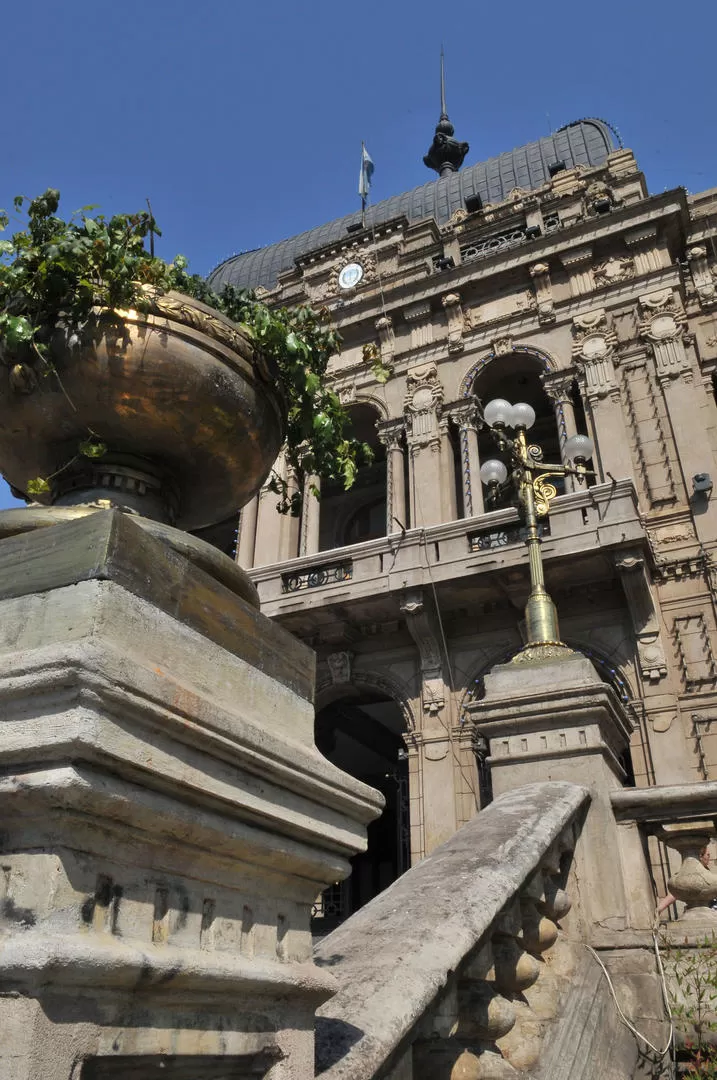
(593, 348)
(424, 395)
(662, 325)
(647, 254)
(578, 262)
(466, 417)
(643, 614)
(310, 516)
(557, 385)
(384, 325)
(423, 627)
(456, 321)
(391, 435)
(448, 479)
(418, 317)
(540, 273)
(702, 277)
(247, 533)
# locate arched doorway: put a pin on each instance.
(359, 514)
(362, 734)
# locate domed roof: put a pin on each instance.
(584, 142)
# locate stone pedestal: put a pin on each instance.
(167, 820)
(554, 719)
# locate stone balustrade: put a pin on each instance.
(603, 516)
(444, 973)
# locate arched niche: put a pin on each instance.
(359, 514)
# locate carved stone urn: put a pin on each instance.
(694, 883)
(190, 413)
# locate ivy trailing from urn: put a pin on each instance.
(63, 274)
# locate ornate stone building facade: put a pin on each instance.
(548, 275)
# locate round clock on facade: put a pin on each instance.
(350, 275)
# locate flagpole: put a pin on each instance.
(363, 196)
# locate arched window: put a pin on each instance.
(516, 377)
(359, 514)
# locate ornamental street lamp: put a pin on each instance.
(530, 477)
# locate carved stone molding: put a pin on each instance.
(578, 263)
(502, 346)
(613, 270)
(391, 433)
(662, 325)
(643, 614)
(339, 665)
(593, 346)
(702, 276)
(558, 386)
(355, 254)
(456, 321)
(424, 395)
(423, 627)
(384, 326)
(418, 317)
(540, 273)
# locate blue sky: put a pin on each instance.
(243, 122)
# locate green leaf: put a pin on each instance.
(38, 486)
(93, 447)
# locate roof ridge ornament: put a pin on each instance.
(446, 154)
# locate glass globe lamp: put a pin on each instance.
(579, 448)
(493, 472)
(522, 415)
(498, 412)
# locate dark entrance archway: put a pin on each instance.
(363, 735)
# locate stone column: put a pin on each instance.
(448, 472)
(391, 434)
(466, 417)
(310, 516)
(557, 385)
(593, 348)
(267, 548)
(648, 253)
(247, 533)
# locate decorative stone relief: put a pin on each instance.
(384, 325)
(423, 628)
(613, 270)
(641, 604)
(596, 194)
(502, 346)
(648, 431)
(347, 394)
(424, 395)
(540, 273)
(702, 277)
(339, 665)
(525, 301)
(694, 650)
(456, 321)
(593, 345)
(662, 325)
(356, 254)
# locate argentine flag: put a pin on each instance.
(365, 174)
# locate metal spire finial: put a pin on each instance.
(446, 153)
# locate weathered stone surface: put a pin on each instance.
(168, 821)
(393, 957)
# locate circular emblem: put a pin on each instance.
(350, 275)
(594, 347)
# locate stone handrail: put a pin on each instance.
(463, 926)
(675, 802)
